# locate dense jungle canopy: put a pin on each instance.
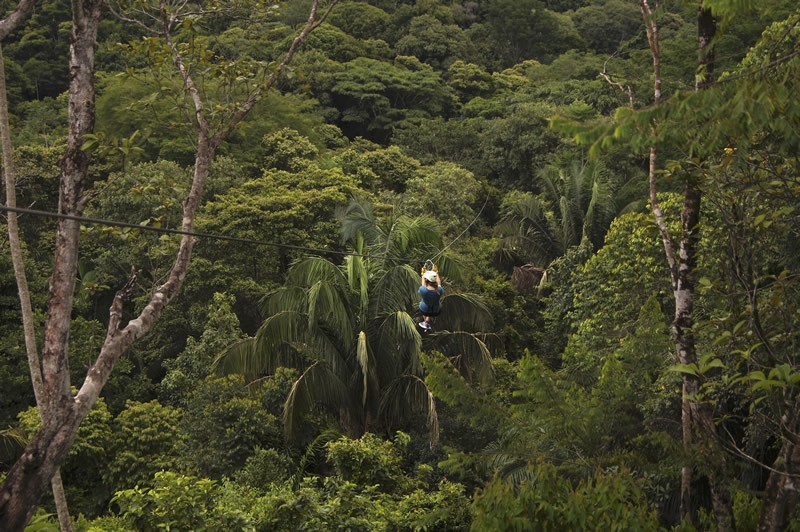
(610, 190)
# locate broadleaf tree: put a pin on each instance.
(26, 480)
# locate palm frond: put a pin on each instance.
(326, 306)
(395, 289)
(358, 281)
(313, 451)
(528, 231)
(284, 298)
(468, 353)
(12, 441)
(270, 349)
(244, 358)
(358, 221)
(568, 232)
(464, 312)
(399, 339)
(548, 178)
(324, 345)
(418, 234)
(316, 385)
(313, 269)
(368, 371)
(451, 269)
(409, 394)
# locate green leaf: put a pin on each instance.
(689, 369)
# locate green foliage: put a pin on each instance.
(39, 48)
(469, 80)
(194, 364)
(374, 97)
(177, 502)
(83, 470)
(377, 168)
(607, 501)
(288, 150)
(629, 267)
(433, 42)
(525, 29)
(574, 205)
(350, 328)
(606, 25)
(147, 438)
(224, 425)
(147, 194)
(361, 20)
(366, 461)
(263, 468)
(515, 146)
(460, 95)
(447, 193)
(447, 508)
(629, 379)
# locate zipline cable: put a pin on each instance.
(163, 230)
(462, 232)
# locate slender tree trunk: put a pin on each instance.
(9, 173)
(22, 489)
(782, 492)
(696, 417)
(700, 412)
(652, 30)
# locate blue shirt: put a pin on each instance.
(430, 298)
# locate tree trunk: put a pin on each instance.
(22, 490)
(23, 487)
(782, 492)
(700, 412)
(9, 173)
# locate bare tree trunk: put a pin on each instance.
(9, 173)
(782, 492)
(696, 417)
(685, 292)
(652, 30)
(23, 487)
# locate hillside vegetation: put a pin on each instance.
(610, 199)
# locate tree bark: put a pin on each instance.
(22, 490)
(696, 417)
(782, 492)
(700, 413)
(9, 174)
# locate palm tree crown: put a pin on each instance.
(351, 328)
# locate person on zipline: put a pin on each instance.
(430, 294)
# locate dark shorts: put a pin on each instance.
(432, 314)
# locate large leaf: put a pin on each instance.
(394, 290)
(399, 339)
(467, 352)
(358, 220)
(285, 298)
(313, 269)
(464, 312)
(273, 346)
(317, 385)
(326, 307)
(406, 395)
(359, 284)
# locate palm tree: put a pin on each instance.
(574, 205)
(351, 331)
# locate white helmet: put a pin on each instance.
(431, 276)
